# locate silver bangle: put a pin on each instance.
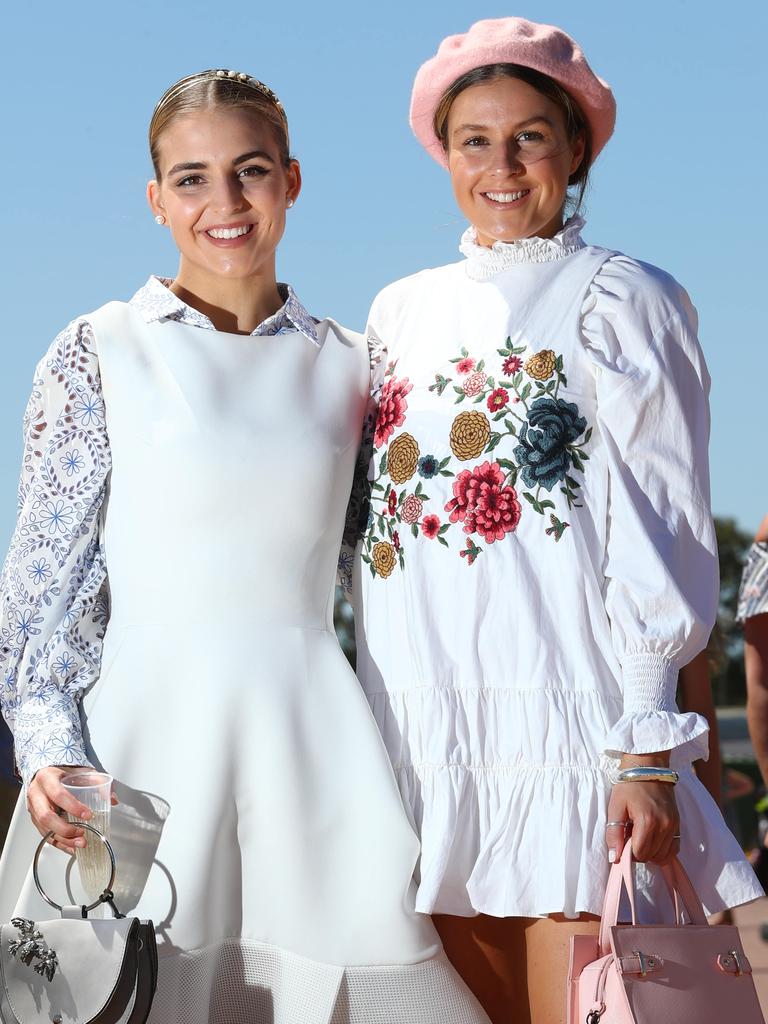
(647, 774)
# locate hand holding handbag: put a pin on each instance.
(644, 974)
(74, 970)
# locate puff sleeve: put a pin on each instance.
(661, 572)
(53, 586)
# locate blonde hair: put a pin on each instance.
(208, 90)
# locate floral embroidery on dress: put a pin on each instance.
(541, 435)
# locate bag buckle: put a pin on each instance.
(733, 963)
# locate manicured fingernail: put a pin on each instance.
(86, 815)
(612, 856)
(80, 843)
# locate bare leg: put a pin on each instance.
(517, 967)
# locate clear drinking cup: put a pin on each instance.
(94, 789)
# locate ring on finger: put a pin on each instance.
(618, 824)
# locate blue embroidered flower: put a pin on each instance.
(39, 570)
(72, 462)
(427, 466)
(64, 663)
(57, 517)
(66, 748)
(26, 625)
(89, 410)
(542, 454)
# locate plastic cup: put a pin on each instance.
(94, 789)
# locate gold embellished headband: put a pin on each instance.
(220, 74)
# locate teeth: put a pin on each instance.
(229, 232)
(507, 197)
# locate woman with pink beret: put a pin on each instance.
(539, 558)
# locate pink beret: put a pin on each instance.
(544, 48)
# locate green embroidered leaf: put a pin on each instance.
(464, 353)
(490, 382)
(459, 390)
(583, 455)
(588, 435)
(577, 463)
(547, 503)
(446, 472)
(381, 524)
(442, 541)
(563, 379)
(506, 384)
(519, 351)
(456, 360)
(525, 392)
(481, 366)
(366, 559)
(529, 497)
(495, 438)
(444, 462)
(417, 492)
(383, 464)
(373, 570)
(461, 398)
(414, 530)
(550, 387)
(517, 380)
(559, 363)
(401, 559)
(510, 425)
(443, 528)
(506, 464)
(499, 416)
(424, 497)
(377, 486)
(503, 351)
(480, 398)
(571, 482)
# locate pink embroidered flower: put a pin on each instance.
(430, 526)
(498, 399)
(512, 365)
(483, 504)
(392, 502)
(475, 383)
(412, 509)
(396, 540)
(392, 409)
(465, 365)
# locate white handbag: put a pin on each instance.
(72, 970)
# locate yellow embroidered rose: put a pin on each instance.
(383, 556)
(542, 365)
(403, 458)
(470, 433)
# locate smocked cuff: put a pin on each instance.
(651, 720)
(47, 731)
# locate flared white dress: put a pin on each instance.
(538, 563)
(260, 826)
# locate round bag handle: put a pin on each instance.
(36, 861)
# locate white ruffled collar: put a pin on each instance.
(483, 261)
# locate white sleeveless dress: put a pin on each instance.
(260, 826)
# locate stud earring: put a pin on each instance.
(160, 219)
(290, 203)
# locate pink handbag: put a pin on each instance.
(659, 974)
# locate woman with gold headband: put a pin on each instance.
(179, 635)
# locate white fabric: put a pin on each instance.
(538, 564)
(258, 810)
(54, 596)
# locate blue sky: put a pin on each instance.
(681, 184)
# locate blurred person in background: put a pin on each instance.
(753, 612)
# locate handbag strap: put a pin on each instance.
(622, 876)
